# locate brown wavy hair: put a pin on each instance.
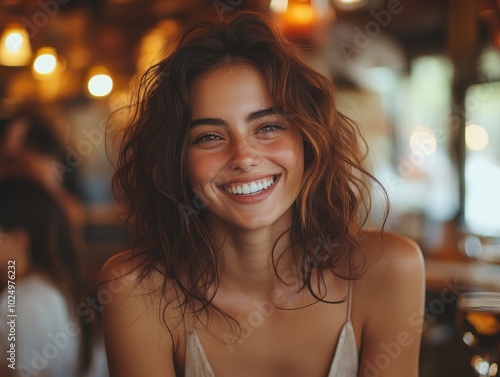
(151, 178)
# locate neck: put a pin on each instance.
(247, 264)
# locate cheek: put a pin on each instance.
(193, 168)
(289, 153)
(201, 169)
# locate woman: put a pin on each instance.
(40, 279)
(248, 194)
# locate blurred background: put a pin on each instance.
(421, 77)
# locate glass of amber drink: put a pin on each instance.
(478, 319)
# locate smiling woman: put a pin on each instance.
(234, 149)
(248, 194)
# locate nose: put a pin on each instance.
(244, 156)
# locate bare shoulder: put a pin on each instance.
(394, 274)
(388, 305)
(137, 334)
(123, 285)
(128, 280)
(123, 266)
(389, 254)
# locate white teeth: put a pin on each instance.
(250, 188)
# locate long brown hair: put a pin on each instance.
(26, 205)
(151, 177)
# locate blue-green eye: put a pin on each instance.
(272, 127)
(207, 137)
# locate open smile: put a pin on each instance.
(250, 188)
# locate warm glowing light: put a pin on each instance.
(119, 104)
(118, 100)
(350, 4)
(423, 143)
(300, 14)
(100, 85)
(279, 6)
(476, 137)
(157, 43)
(46, 61)
(469, 339)
(14, 41)
(493, 369)
(482, 367)
(15, 48)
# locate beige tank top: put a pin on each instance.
(344, 364)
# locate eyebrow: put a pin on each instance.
(221, 122)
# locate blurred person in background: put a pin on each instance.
(30, 146)
(53, 337)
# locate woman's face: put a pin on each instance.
(245, 161)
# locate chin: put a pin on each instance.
(260, 221)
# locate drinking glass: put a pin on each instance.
(478, 318)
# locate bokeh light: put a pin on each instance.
(476, 137)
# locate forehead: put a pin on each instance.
(227, 89)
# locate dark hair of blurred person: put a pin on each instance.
(36, 235)
(29, 129)
(30, 147)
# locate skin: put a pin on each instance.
(387, 300)
(14, 246)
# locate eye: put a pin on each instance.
(206, 137)
(272, 127)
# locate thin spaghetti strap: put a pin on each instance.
(349, 300)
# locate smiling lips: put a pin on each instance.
(250, 188)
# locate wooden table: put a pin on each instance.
(462, 276)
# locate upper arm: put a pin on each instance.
(137, 342)
(394, 294)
